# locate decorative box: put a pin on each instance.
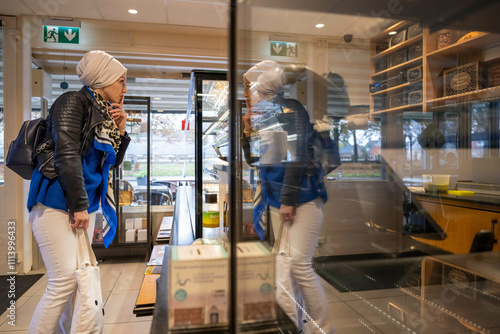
(415, 97)
(382, 45)
(493, 67)
(380, 64)
(462, 79)
(398, 79)
(415, 51)
(415, 73)
(415, 86)
(379, 102)
(414, 30)
(398, 38)
(398, 58)
(398, 100)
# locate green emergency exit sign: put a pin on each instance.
(284, 49)
(55, 34)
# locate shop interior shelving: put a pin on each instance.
(434, 61)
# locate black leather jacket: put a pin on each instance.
(71, 124)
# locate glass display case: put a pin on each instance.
(133, 194)
(211, 110)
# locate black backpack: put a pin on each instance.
(29, 147)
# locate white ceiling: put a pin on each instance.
(187, 15)
(198, 13)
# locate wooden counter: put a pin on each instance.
(460, 218)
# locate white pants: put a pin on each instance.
(57, 242)
(304, 233)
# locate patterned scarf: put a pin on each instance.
(107, 139)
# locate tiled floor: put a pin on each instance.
(356, 312)
(120, 283)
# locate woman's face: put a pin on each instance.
(251, 95)
(114, 92)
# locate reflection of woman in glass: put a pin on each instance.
(291, 184)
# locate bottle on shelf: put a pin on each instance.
(211, 217)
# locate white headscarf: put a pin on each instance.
(98, 69)
(267, 76)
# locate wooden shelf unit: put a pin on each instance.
(434, 62)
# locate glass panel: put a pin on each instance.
(2, 139)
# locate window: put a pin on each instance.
(480, 130)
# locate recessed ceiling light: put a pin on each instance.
(320, 25)
(393, 32)
(132, 11)
(156, 98)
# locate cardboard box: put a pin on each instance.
(129, 224)
(256, 282)
(142, 235)
(138, 223)
(198, 288)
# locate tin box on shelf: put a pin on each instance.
(415, 73)
(398, 99)
(415, 51)
(397, 38)
(414, 30)
(380, 64)
(398, 58)
(463, 79)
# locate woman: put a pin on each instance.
(291, 184)
(87, 132)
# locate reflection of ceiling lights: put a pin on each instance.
(320, 25)
(157, 98)
(132, 11)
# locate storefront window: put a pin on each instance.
(359, 148)
(480, 130)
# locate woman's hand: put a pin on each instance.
(247, 121)
(119, 115)
(287, 213)
(79, 220)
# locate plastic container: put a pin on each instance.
(211, 217)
